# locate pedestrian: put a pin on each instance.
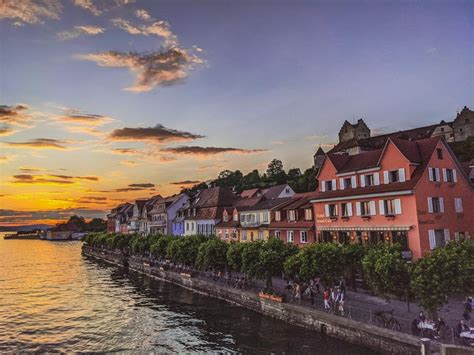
(342, 285)
(317, 282)
(421, 317)
(298, 293)
(326, 298)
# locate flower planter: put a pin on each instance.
(274, 298)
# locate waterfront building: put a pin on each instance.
(255, 220)
(138, 219)
(163, 212)
(118, 217)
(228, 229)
(206, 209)
(293, 221)
(412, 192)
(64, 231)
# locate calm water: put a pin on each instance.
(54, 299)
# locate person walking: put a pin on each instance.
(317, 282)
(326, 298)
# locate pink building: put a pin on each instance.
(411, 192)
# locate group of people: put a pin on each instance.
(333, 297)
(427, 327)
(463, 325)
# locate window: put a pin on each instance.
(292, 215)
(365, 208)
(369, 180)
(260, 235)
(331, 210)
(277, 234)
(439, 153)
(389, 207)
(458, 205)
(347, 183)
(187, 226)
(435, 205)
(394, 176)
(449, 175)
(438, 237)
(278, 216)
(225, 217)
(236, 217)
(433, 174)
(346, 209)
(265, 216)
(308, 214)
(304, 236)
(328, 185)
(290, 236)
(287, 190)
(226, 234)
(244, 235)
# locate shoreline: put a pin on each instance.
(348, 330)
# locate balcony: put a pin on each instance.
(252, 224)
(160, 223)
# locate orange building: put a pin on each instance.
(411, 192)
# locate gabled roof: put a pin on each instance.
(267, 204)
(320, 151)
(274, 191)
(249, 193)
(418, 152)
(216, 196)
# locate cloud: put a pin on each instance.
(205, 151)
(38, 143)
(6, 131)
(77, 31)
(159, 133)
(4, 159)
(158, 28)
(15, 115)
(29, 11)
(126, 151)
(26, 169)
(128, 162)
(52, 179)
(186, 182)
(143, 14)
(143, 186)
(96, 7)
(151, 69)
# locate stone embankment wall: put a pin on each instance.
(348, 330)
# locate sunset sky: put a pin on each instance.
(105, 101)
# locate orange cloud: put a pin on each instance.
(207, 151)
(38, 143)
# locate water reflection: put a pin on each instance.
(53, 299)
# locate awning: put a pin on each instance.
(364, 229)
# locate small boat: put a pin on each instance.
(23, 235)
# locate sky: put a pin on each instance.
(106, 101)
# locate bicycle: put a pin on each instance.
(387, 320)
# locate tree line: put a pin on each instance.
(446, 271)
(274, 175)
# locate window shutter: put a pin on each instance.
(441, 205)
(385, 177)
(432, 238)
(376, 179)
(373, 211)
(445, 176)
(381, 207)
(430, 174)
(341, 183)
(438, 178)
(455, 178)
(323, 186)
(354, 182)
(446, 235)
(326, 210)
(358, 212)
(333, 184)
(349, 209)
(398, 206)
(401, 174)
(430, 205)
(362, 180)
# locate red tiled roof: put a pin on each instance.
(249, 193)
(228, 224)
(346, 162)
(274, 191)
(216, 196)
(418, 152)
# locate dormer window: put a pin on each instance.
(278, 216)
(328, 185)
(236, 217)
(225, 217)
(308, 214)
(292, 215)
(348, 183)
(393, 176)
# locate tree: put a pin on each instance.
(96, 225)
(444, 272)
(184, 250)
(386, 272)
(212, 254)
(352, 255)
(234, 255)
(294, 173)
(160, 246)
(252, 179)
(275, 172)
(79, 221)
